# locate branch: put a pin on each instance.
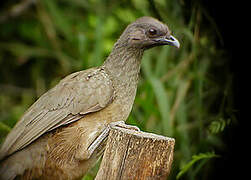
(136, 155)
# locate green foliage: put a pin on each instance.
(195, 159)
(219, 125)
(182, 92)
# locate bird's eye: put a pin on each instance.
(152, 32)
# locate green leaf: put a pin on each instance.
(196, 158)
(163, 104)
(160, 95)
(161, 66)
(219, 125)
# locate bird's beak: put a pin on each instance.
(168, 40)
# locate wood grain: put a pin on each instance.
(136, 155)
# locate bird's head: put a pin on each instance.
(147, 32)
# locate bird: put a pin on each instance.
(54, 138)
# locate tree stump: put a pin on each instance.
(135, 155)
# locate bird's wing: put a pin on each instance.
(76, 95)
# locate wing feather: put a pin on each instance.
(37, 129)
(74, 96)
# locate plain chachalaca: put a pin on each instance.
(58, 136)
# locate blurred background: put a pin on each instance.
(186, 93)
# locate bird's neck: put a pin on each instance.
(123, 67)
(124, 64)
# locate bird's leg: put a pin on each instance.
(98, 141)
(92, 140)
(122, 124)
(103, 136)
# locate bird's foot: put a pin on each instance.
(122, 124)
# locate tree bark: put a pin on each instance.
(136, 155)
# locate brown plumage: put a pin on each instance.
(51, 139)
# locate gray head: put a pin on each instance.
(147, 32)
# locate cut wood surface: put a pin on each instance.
(135, 155)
